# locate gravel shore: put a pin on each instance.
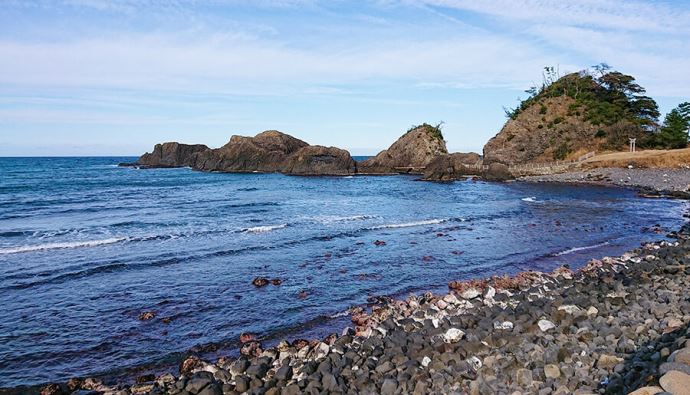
(665, 182)
(616, 326)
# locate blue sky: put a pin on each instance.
(107, 77)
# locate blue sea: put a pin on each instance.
(86, 247)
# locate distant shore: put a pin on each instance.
(652, 182)
(614, 326)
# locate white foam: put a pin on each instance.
(576, 249)
(264, 229)
(410, 224)
(330, 219)
(341, 314)
(531, 199)
(59, 246)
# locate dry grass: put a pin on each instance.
(679, 158)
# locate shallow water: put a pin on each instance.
(86, 246)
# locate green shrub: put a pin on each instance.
(435, 131)
(561, 152)
(610, 98)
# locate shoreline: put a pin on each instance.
(649, 182)
(438, 324)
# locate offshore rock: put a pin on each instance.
(452, 166)
(172, 155)
(266, 152)
(414, 150)
(317, 160)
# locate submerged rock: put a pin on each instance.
(147, 316)
(260, 282)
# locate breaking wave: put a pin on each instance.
(264, 229)
(409, 224)
(576, 249)
(59, 246)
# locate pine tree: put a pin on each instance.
(674, 132)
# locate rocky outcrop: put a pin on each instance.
(172, 155)
(411, 153)
(266, 153)
(317, 160)
(497, 172)
(452, 166)
(572, 116)
(543, 132)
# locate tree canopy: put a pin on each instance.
(606, 97)
(674, 132)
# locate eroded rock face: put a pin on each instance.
(317, 160)
(452, 166)
(172, 155)
(548, 130)
(266, 152)
(414, 150)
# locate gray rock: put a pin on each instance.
(242, 384)
(195, 385)
(389, 387)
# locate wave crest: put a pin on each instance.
(60, 246)
(409, 224)
(576, 249)
(264, 229)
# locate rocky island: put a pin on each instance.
(421, 150)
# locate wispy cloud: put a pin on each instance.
(87, 63)
(608, 14)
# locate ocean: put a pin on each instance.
(86, 247)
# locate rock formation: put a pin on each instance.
(411, 153)
(452, 166)
(497, 172)
(172, 155)
(543, 132)
(266, 152)
(572, 116)
(317, 160)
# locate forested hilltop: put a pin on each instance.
(592, 110)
